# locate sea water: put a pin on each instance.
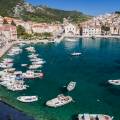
(99, 62)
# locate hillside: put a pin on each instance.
(26, 11)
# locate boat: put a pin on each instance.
(76, 54)
(18, 73)
(93, 37)
(71, 86)
(72, 39)
(36, 66)
(27, 99)
(114, 82)
(11, 70)
(21, 44)
(7, 60)
(23, 65)
(33, 56)
(14, 51)
(29, 74)
(60, 100)
(36, 59)
(38, 62)
(39, 75)
(30, 49)
(6, 65)
(87, 116)
(17, 87)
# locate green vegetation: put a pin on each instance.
(117, 12)
(105, 29)
(35, 36)
(5, 21)
(6, 6)
(54, 15)
(39, 13)
(22, 34)
(13, 23)
(20, 31)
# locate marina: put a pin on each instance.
(90, 72)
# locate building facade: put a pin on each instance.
(71, 30)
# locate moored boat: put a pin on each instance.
(94, 117)
(76, 53)
(36, 66)
(71, 86)
(60, 100)
(23, 65)
(30, 49)
(27, 98)
(114, 82)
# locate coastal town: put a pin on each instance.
(107, 25)
(18, 32)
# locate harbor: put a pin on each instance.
(92, 71)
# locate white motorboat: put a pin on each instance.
(23, 65)
(4, 65)
(14, 51)
(71, 86)
(7, 60)
(76, 54)
(18, 73)
(22, 44)
(11, 70)
(114, 82)
(27, 98)
(29, 74)
(30, 49)
(39, 75)
(38, 62)
(71, 39)
(36, 59)
(33, 55)
(94, 117)
(60, 100)
(16, 87)
(35, 66)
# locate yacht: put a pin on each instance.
(76, 54)
(60, 100)
(71, 86)
(27, 98)
(114, 82)
(94, 117)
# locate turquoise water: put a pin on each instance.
(99, 62)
